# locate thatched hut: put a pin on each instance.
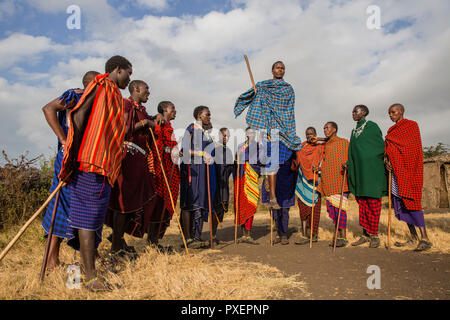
(436, 182)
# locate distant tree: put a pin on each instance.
(433, 151)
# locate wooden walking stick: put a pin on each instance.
(250, 72)
(27, 224)
(271, 226)
(340, 208)
(236, 194)
(49, 237)
(218, 220)
(209, 207)
(312, 210)
(168, 188)
(390, 209)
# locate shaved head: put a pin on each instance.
(135, 84)
(87, 78)
(363, 108)
(398, 105)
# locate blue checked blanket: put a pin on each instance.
(271, 108)
(62, 211)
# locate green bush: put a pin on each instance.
(24, 186)
(439, 149)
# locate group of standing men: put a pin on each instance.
(120, 166)
(333, 167)
(111, 157)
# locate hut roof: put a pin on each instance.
(445, 158)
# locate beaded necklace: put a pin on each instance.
(205, 132)
(357, 131)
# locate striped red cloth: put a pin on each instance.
(98, 147)
(404, 150)
(336, 154)
(369, 213)
(165, 139)
(310, 155)
(246, 209)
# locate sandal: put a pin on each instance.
(242, 239)
(374, 241)
(302, 240)
(123, 254)
(276, 240)
(423, 245)
(108, 263)
(97, 285)
(61, 266)
(409, 243)
(340, 242)
(188, 242)
(197, 244)
(360, 241)
(250, 240)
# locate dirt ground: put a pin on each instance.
(343, 275)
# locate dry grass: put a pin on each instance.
(438, 226)
(200, 275)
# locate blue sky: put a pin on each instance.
(190, 52)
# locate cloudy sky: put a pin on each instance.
(191, 52)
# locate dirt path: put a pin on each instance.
(343, 275)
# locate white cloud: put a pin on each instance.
(333, 62)
(154, 4)
(19, 47)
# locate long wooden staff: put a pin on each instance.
(340, 208)
(49, 237)
(250, 72)
(312, 210)
(209, 207)
(390, 208)
(168, 188)
(236, 193)
(27, 224)
(271, 226)
(217, 217)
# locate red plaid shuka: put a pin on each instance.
(369, 213)
(336, 154)
(310, 155)
(165, 139)
(99, 147)
(305, 213)
(404, 150)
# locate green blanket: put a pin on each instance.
(366, 172)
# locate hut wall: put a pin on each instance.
(431, 185)
(445, 185)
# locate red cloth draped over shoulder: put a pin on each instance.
(335, 155)
(96, 133)
(404, 150)
(310, 155)
(134, 187)
(165, 139)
